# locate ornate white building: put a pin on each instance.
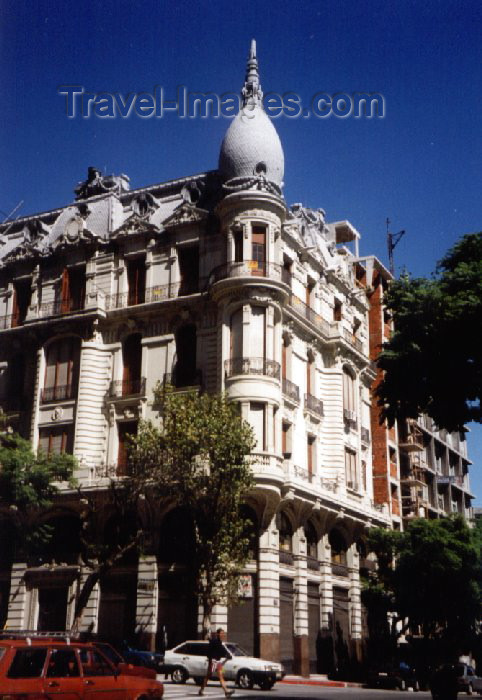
(215, 282)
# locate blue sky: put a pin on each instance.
(420, 165)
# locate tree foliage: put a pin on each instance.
(197, 458)
(432, 362)
(29, 482)
(428, 576)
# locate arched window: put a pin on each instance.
(338, 548)
(185, 370)
(62, 370)
(63, 545)
(311, 540)
(285, 533)
(132, 361)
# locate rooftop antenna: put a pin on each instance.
(393, 239)
(9, 216)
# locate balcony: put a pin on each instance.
(312, 563)
(310, 315)
(125, 388)
(252, 365)
(313, 405)
(247, 268)
(60, 307)
(11, 321)
(150, 295)
(290, 391)
(412, 441)
(293, 470)
(286, 557)
(349, 416)
(183, 380)
(58, 393)
(339, 570)
(353, 340)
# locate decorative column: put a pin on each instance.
(355, 603)
(268, 587)
(301, 662)
(326, 659)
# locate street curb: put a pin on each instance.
(326, 684)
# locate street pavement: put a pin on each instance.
(289, 691)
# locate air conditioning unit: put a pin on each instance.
(349, 415)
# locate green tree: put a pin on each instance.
(197, 458)
(432, 362)
(428, 578)
(29, 482)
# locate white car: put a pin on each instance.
(190, 660)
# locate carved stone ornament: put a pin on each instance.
(185, 213)
(57, 413)
(143, 205)
(97, 183)
(135, 224)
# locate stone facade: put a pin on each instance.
(210, 281)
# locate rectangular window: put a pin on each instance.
(258, 247)
(22, 293)
(188, 270)
(257, 335)
(136, 281)
(57, 440)
(124, 430)
(238, 246)
(62, 370)
(310, 286)
(351, 470)
(337, 310)
(257, 415)
(348, 394)
(72, 292)
(310, 454)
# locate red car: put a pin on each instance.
(36, 669)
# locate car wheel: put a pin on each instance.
(245, 679)
(179, 675)
(265, 684)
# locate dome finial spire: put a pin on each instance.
(251, 91)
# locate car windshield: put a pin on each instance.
(236, 650)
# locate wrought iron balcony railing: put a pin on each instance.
(310, 315)
(290, 390)
(252, 365)
(247, 268)
(313, 404)
(149, 295)
(58, 393)
(60, 307)
(122, 388)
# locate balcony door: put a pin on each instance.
(22, 293)
(62, 370)
(72, 293)
(136, 280)
(132, 359)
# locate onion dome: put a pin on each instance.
(251, 149)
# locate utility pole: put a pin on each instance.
(392, 241)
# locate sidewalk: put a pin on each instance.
(315, 679)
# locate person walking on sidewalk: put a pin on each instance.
(217, 657)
